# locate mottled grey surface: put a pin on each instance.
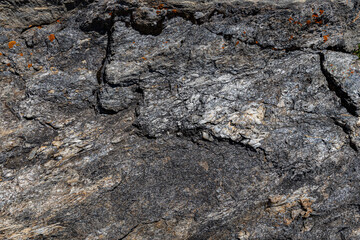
(179, 119)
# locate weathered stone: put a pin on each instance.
(179, 119)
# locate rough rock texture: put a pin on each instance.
(179, 119)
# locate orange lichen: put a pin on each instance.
(352, 72)
(51, 37)
(39, 27)
(174, 10)
(308, 22)
(133, 42)
(31, 53)
(30, 26)
(244, 32)
(166, 41)
(291, 37)
(11, 44)
(143, 58)
(315, 15)
(257, 42)
(110, 14)
(321, 12)
(237, 43)
(29, 65)
(223, 47)
(158, 12)
(290, 19)
(161, 6)
(0, 53)
(326, 37)
(8, 64)
(21, 54)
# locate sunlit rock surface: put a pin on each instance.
(179, 119)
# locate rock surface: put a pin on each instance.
(179, 119)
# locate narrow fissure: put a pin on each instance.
(100, 75)
(333, 86)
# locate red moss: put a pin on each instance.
(11, 44)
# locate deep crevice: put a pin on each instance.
(347, 130)
(333, 86)
(338, 48)
(100, 75)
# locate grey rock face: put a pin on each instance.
(343, 73)
(179, 119)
